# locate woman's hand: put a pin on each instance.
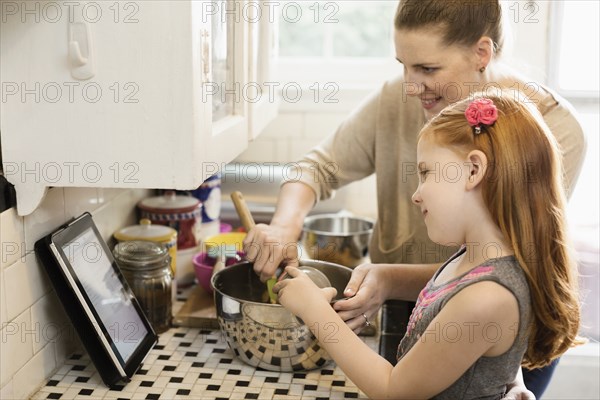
(268, 246)
(300, 294)
(365, 293)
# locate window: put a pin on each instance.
(336, 29)
(573, 71)
(574, 53)
(346, 42)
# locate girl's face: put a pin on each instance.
(441, 194)
(436, 73)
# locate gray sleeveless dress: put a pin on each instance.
(488, 377)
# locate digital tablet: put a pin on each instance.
(97, 298)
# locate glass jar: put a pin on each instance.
(146, 267)
(154, 233)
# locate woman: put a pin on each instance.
(448, 49)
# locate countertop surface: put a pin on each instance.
(191, 363)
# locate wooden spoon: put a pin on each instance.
(248, 222)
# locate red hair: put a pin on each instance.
(524, 193)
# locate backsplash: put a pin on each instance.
(35, 333)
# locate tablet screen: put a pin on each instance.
(104, 290)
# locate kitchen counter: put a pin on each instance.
(190, 363)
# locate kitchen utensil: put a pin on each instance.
(146, 267)
(223, 253)
(337, 238)
(248, 223)
(154, 233)
(267, 335)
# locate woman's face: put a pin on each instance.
(436, 73)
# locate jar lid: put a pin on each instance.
(170, 202)
(146, 231)
(140, 254)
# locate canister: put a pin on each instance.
(154, 233)
(209, 194)
(146, 267)
(182, 213)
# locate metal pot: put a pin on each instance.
(267, 335)
(337, 238)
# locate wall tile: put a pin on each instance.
(297, 148)
(80, 200)
(282, 152)
(6, 392)
(48, 316)
(105, 195)
(46, 218)
(3, 307)
(25, 283)
(261, 150)
(31, 376)
(16, 346)
(119, 212)
(321, 125)
(285, 125)
(68, 344)
(12, 237)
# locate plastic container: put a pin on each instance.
(204, 265)
(230, 238)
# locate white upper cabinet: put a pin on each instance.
(125, 93)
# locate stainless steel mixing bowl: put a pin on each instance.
(267, 335)
(339, 239)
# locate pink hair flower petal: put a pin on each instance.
(481, 112)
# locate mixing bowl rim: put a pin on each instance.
(303, 262)
(312, 218)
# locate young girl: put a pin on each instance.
(490, 180)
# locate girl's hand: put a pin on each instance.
(365, 295)
(300, 294)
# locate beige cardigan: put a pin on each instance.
(381, 136)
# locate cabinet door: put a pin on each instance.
(118, 94)
(227, 78)
(263, 101)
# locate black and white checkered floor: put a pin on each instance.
(190, 363)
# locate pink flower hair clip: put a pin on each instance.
(481, 112)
